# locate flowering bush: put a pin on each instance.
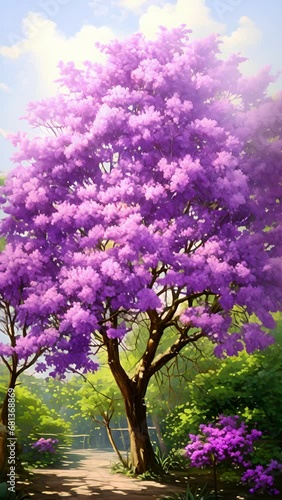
(45, 445)
(262, 477)
(230, 440)
(42, 453)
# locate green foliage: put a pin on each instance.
(127, 470)
(120, 468)
(100, 396)
(193, 494)
(3, 390)
(5, 494)
(63, 397)
(149, 475)
(32, 459)
(4, 490)
(2, 244)
(40, 460)
(167, 461)
(35, 419)
(247, 385)
(173, 385)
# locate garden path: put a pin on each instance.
(87, 475)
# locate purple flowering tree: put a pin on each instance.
(23, 338)
(155, 199)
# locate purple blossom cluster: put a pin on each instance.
(45, 445)
(262, 477)
(230, 440)
(155, 184)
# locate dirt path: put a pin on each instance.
(88, 475)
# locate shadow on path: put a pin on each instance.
(87, 475)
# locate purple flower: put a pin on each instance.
(261, 477)
(230, 440)
(45, 445)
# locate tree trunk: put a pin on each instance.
(142, 457)
(122, 438)
(113, 444)
(162, 444)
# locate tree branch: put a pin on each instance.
(123, 381)
(172, 352)
(6, 363)
(73, 370)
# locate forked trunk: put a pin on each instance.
(142, 457)
(113, 444)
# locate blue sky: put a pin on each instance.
(36, 34)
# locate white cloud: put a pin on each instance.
(12, 52)
(42, 44)
(198, 17)
(4, 87)
(45, 46)
(245, 39)
(195, 14)
(246, 35)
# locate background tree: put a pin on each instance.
(23, 337)
(101, 399)
(150, 201)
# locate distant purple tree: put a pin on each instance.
(156, 197)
